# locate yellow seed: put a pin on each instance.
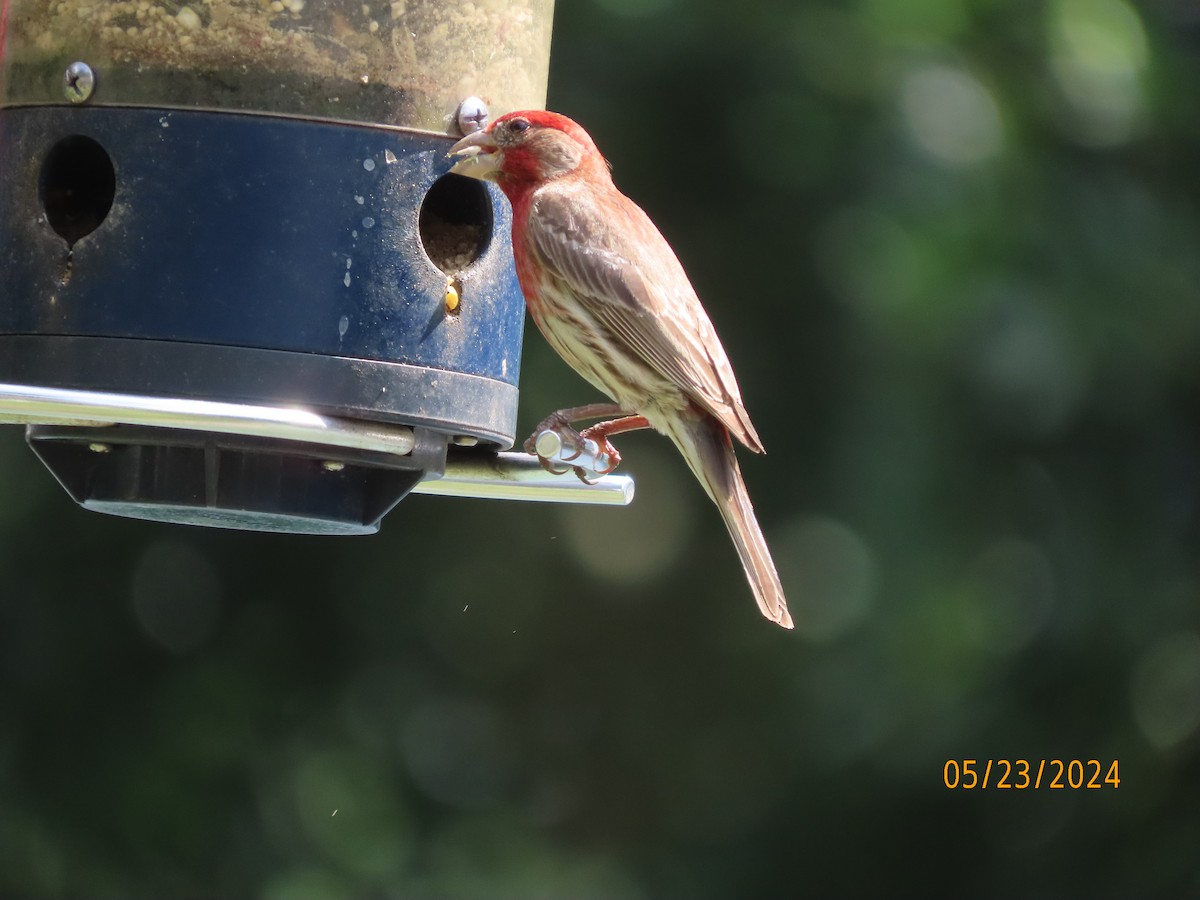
(451, 298)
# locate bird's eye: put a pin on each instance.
(518, 125)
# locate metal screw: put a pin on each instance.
(333, 465)
(472, 116)
(78, 82)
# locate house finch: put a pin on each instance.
(605, 288)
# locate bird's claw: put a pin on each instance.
(553, 467)
(561, 449)
(597, 434)
(552, 422)
(587, 477)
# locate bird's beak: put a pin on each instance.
(479, 157)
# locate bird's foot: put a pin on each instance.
(598, 434)
(556, 422)
(561, 449)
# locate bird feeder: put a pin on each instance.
(238, 286)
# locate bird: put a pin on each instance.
(610, 296)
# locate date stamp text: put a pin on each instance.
(1031, 774)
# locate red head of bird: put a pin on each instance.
(522, 150)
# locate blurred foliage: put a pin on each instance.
(953, 248)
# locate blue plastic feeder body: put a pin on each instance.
(256, 259)
(253, 260)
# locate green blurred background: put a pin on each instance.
(953, 249)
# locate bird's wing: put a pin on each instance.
(631, 282)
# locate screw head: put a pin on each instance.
(472, 116)
(548, 443)
(78, 82)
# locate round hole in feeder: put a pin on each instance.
(455, 222)
(76, 187)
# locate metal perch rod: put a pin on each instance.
(476, 473)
